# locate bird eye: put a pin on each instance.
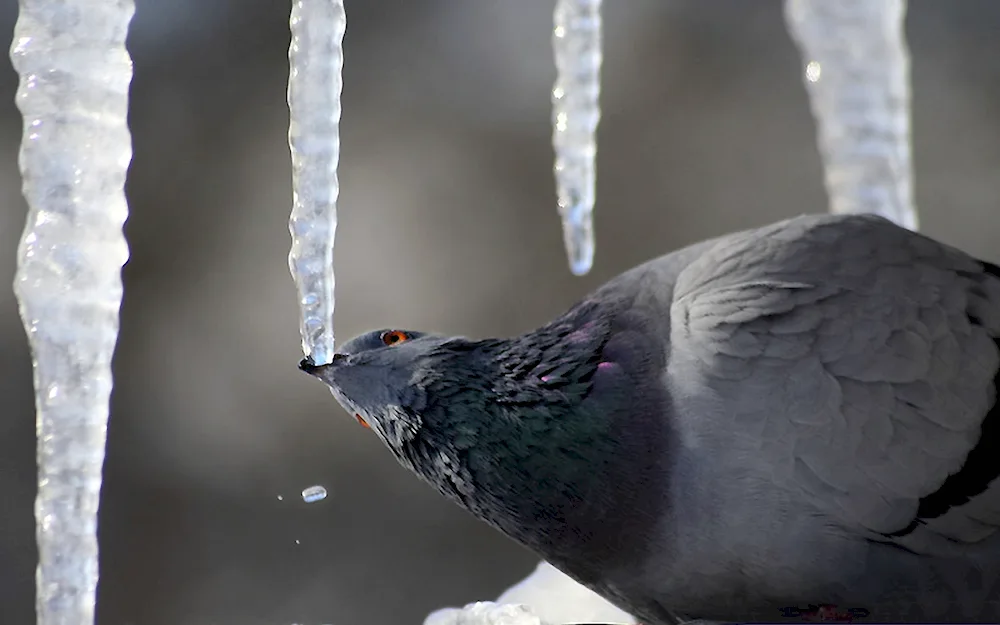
(394, 336)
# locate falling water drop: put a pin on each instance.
(314, 494)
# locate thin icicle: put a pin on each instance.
(73, 95)
(857, 72)
(316, 58)
(576, 42)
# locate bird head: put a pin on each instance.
(428, 396)
(401, 383)
(379, 377)
(539, 435)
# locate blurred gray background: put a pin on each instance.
(447, 223)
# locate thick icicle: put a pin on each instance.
(73, 94)
(857, 72)
(316, 58)
(576, 42)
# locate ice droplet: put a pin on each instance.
(813, 71)
(314, 494)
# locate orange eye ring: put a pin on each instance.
(392, 337)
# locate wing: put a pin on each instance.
(855, 362)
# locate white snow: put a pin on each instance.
(547, 595)
(485, 613)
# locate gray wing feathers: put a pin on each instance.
(851, 360)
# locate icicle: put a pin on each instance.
(576, 41)
(857, 73)
(73, 95)
(316, 58)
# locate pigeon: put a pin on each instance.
(793, 422)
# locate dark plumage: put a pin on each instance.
(799, 414)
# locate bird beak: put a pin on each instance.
(310, 367)
(307, 365)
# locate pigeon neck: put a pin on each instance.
(558, 458)
(573, 487)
